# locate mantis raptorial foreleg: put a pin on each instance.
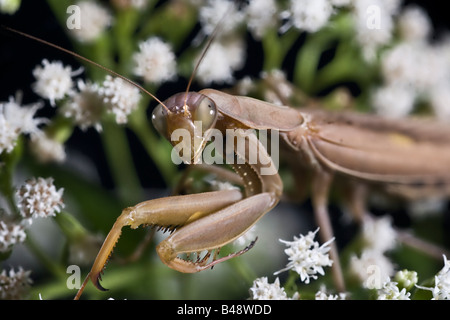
(204, 221)
(213, 232)
(169, 213)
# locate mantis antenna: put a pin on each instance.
(212, 37)
(87, 60)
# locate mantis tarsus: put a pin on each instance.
(408, 158)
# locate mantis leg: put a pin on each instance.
(320, 188)
(170, 213)
(213, 232)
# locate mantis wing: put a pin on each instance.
(253, 113)
(368, 147)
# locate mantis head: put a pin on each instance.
(185, 120)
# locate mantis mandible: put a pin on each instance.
(397, 156)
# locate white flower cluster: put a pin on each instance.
(120, 97)
(310, 15)
(263, 290)
(323, 295)
(155, 61)
(39, 198)
(441, 289)
(85, 107)
(53, 80)
(374, 23)
(36, 198)
(11, 233)
(414, 70)
(227, 54)
(221, 60)
(94, 21)
(391, 291)
(379, 237)
(15, 120)
(261, 16)
(307, 257)
(14, 285)
(212, 13)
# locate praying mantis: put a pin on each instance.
(356, 150)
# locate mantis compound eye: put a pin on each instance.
(159, 120)
(206, 112)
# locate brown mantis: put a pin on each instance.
(328, 144)
(358, 150)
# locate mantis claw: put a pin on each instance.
(188, 266)
(96, 281)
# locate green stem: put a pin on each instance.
(121, 163)
(55, 269)
(126, 21)
(244, 270)
(347, 65)
(276, 47)
(290, 285)
(307, 62)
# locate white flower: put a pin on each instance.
(14, 285)
(8, 134)
(221, 60)
(374, 23)
(390, 291)
(310, 15)
(94, 20)
(414, 23)
(121, 97)
(406, 279)
(379, 234)
(10, 234)
(441, 290)
(416, 64)
(155, 61)
(53, 80)
(16, 119)
(39, 198)
(212, 13)
(307, 257)
(46, 149)
(394, 101)
(371, 267)
(323, 295)
(263, 290)
(261, 15)
(9, 6)
(85, 107)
